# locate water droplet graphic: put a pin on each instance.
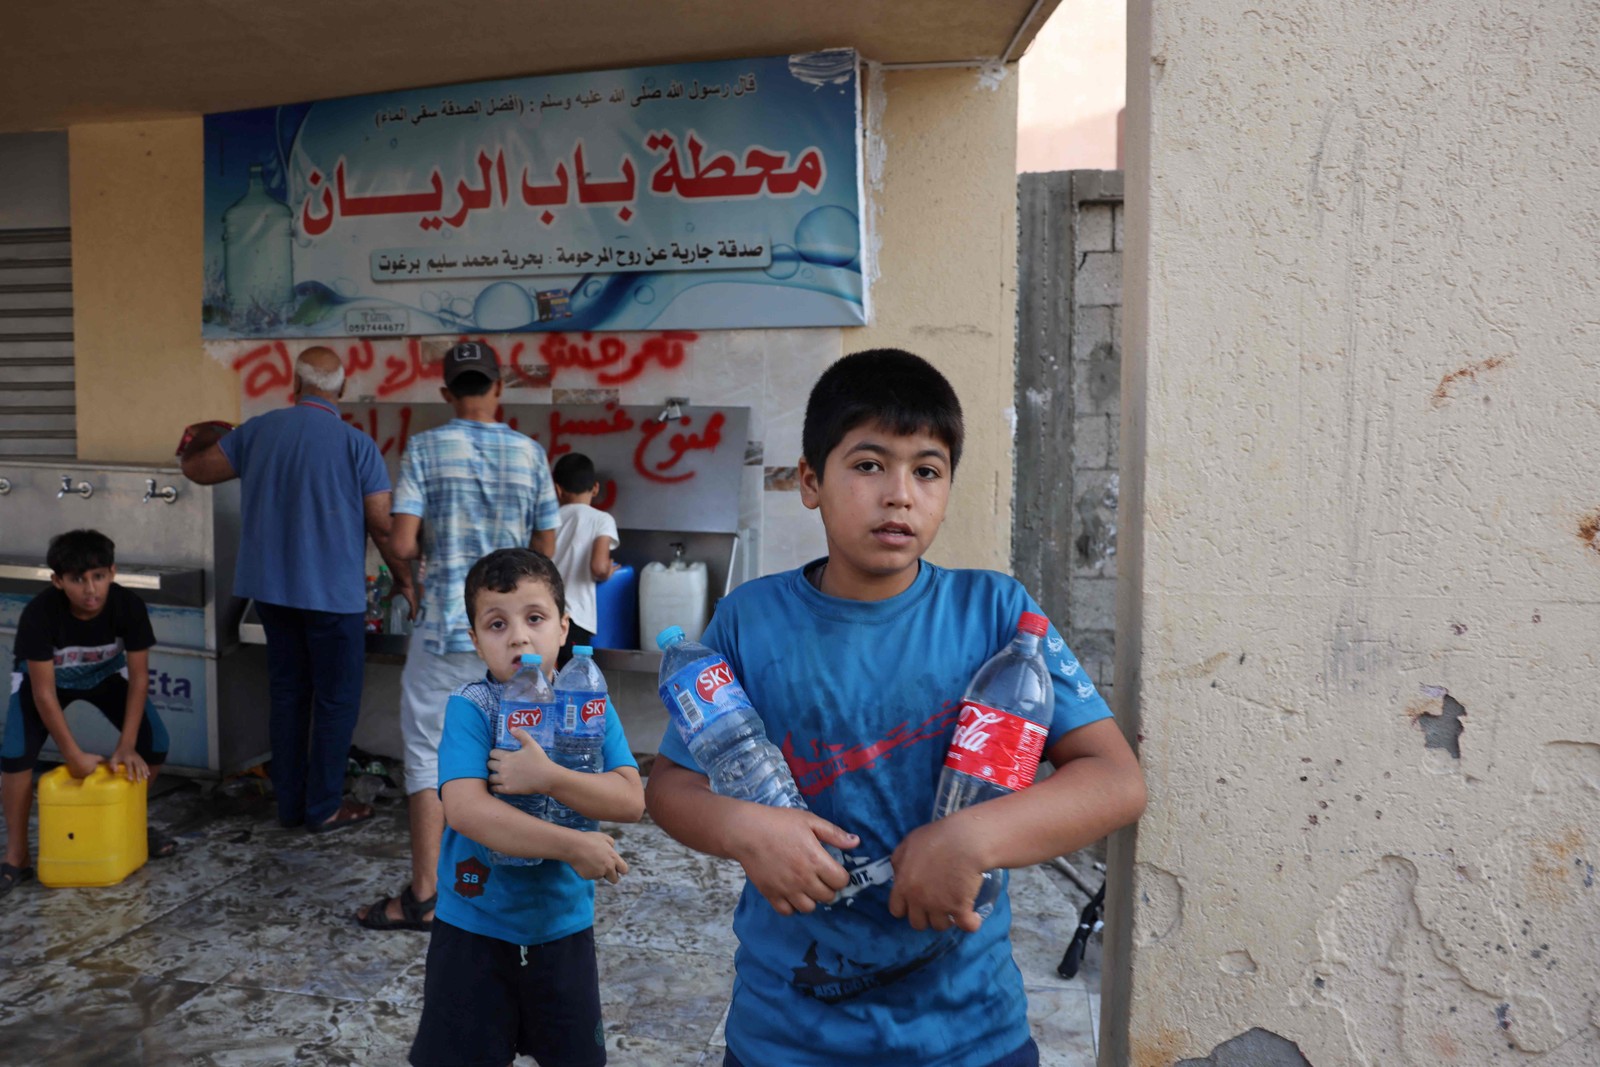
(503, 306)
(830, 235)
(785, 262)
(592, 287)
(645, 295)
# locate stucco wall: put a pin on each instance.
(942, 198)
(945, 208)
(1359, 430)
(136, 224)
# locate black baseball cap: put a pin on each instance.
(470, 357)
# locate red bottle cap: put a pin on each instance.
(1033, 624)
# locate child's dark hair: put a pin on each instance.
(80, 551)
(900, 391)
(502, 570)
(574, 473)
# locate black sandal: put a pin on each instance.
(349, 814)
(12, 876)
(412, 911)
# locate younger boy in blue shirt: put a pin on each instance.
(511, 961)
(857, 663)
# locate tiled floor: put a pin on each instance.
(241, 950)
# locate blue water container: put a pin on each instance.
(617, 608)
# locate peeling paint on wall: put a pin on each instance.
(1253, 1048)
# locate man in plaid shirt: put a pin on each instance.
(467, 488)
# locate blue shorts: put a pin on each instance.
(487, 1001)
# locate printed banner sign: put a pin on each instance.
(693, 196)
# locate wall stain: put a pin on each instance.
(1441, 395)
(1253, 1048)
(1588, 529)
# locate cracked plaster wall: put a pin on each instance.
(1357, 628)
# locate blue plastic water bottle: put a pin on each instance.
(580, 732)
(526, 701)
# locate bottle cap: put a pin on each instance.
(530, 659)
(1031, 623)
(582, 650)
(669, 637)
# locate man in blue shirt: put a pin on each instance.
(313, 488)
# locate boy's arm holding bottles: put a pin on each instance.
(780, 849)
(1096, 788)
(616, 795)
(473, 811)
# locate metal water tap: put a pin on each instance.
(83, 489)
(169, 493)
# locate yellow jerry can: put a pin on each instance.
(91, 830)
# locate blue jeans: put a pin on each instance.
(315, 660)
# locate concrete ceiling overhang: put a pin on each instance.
(63, 63)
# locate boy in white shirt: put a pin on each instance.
(585, 536)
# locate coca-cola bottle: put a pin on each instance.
(1005, 718)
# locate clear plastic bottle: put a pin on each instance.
(526, 701)
(373, 622)
(385, 594)
(1005, 718)
(580, 728)
(715, 718)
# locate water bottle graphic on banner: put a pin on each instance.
(527, 701)
(258, 250)
(580, 732)
(716, 720)
(1000, 736)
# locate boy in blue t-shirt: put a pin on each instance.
(85, 638)
(511, 963)
(857, 663)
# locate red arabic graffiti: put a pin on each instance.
(407, 369)
(678, 445)
(396, 441)
(266, 368)
(610, 357)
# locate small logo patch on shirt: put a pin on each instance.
(471, 877)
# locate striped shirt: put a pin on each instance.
(477, 486)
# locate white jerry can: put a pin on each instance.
(673, 594)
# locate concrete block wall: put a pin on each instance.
(1068, 405)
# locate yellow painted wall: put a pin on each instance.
(136, 278)
(945, 216)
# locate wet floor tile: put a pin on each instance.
(666, 996)
(242, 950)
(1059, 1020)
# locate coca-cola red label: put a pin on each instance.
(593, 709)
(713, 678)
(526, 718)
(996, 746)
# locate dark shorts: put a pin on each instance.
(487, 1001)
(1026, 1056)
(25, 734)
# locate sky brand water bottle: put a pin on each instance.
(580, 728)
(717, 721)
(1005, 718)
(526, 701)
(714, 717)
